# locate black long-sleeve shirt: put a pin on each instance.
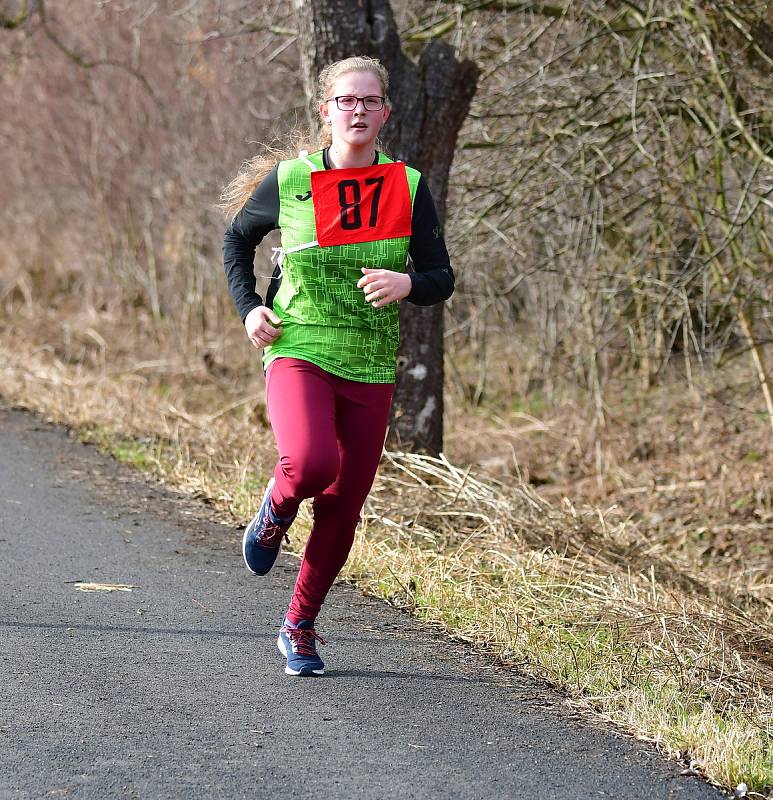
(431, 282)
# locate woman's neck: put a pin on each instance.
(343, 156)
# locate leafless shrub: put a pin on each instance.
(613, 189)
(120, 125)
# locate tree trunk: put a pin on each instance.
(430, 100)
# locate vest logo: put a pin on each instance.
(303, 197)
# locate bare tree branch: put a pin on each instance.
(86, 63)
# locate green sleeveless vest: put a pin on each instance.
(325, 318)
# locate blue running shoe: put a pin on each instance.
(298, 644)
(263, 536)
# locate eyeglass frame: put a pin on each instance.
(357, 102)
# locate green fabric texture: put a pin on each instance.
(325, 319)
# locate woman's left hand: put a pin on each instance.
(382, 286)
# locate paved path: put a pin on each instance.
(176, 689)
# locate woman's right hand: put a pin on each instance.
(263, 326)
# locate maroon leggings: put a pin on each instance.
(330, 433)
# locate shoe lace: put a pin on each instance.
(271, 535)
(302, 639)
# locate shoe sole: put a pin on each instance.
(302, 673)
(269, 487)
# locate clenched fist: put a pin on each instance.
(383, 286)
(263, 326)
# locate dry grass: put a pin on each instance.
(660, 631)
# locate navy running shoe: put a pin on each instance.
(298, 644)
(263, 536)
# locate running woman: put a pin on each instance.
(349, 218)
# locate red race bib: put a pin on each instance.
(363, 204)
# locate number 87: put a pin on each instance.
(351, 217)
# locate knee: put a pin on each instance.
(310, 474)
(341, 507)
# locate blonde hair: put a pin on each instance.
(255, 169)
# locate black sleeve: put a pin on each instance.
(433, 279)
(259, 216)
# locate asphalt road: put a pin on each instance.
(175, 689)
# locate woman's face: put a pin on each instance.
(358, 127)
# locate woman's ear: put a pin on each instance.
(323, 112)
